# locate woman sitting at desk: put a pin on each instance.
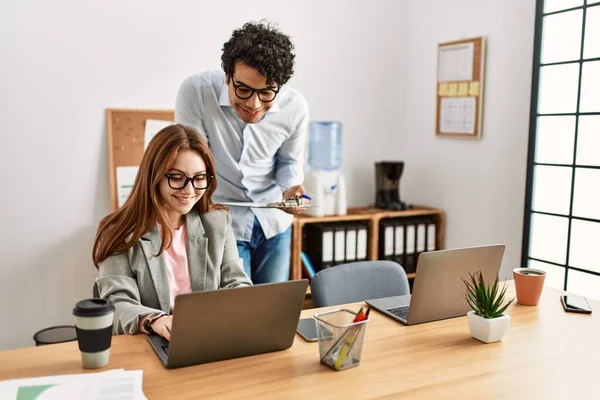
(168, 238)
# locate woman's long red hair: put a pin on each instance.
(144, 208)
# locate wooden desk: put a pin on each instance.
(545, 354)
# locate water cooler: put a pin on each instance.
(324, 180)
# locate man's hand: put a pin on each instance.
(162, 326)
(294, 191)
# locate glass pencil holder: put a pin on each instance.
(340, 339)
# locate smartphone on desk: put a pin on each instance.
(576, 304)
(307, 329)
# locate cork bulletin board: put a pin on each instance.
(125, 129)
(460, 81)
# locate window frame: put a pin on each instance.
(531, 153)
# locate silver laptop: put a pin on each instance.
(230, 323)
(438, 287)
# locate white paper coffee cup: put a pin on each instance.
(93, 323)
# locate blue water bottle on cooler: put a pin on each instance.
(325, 145)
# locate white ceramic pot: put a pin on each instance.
(487, 330)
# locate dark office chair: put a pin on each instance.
(359, 281)
(55, 334)
(61, 333)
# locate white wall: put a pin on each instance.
(479, 183)
(370, 65)
(64, 62)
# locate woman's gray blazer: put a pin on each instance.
(136, 281)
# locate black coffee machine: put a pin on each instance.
(387, 179)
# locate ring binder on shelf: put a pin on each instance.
(362, 243)
(351, 243)
(410, 248)
(367, 234)
(340, 244)
(399, 242)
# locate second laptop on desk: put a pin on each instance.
(438, 287)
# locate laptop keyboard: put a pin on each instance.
(165, 348)
(401, 312)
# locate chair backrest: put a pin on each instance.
(359, 281)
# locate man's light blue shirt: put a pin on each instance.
(248, 157)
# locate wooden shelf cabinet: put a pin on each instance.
(372, 216)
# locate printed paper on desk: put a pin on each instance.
(153, 126)
(125, 179)
(112, 384)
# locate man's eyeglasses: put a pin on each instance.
(180, 181)
(245, 92)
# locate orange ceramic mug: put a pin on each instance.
(529, 283)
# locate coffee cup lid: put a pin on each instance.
(93, 307)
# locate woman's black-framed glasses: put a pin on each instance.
(245, 92)
(180, 181)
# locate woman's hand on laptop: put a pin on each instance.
(162, 326)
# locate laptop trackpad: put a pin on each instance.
(391, 302)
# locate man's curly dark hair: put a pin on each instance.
(260, 46)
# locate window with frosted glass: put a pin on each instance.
(558, 5)
(555, 140)
(588, 143)
(561, 232)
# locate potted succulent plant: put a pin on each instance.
(487, 320)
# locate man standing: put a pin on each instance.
(256, 129)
